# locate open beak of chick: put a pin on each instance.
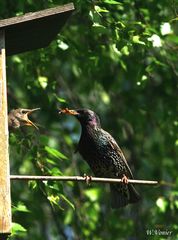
(25, 117)
(68, 111)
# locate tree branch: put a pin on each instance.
(80, 179)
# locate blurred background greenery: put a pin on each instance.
(118, 58)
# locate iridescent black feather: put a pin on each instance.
(105, 157)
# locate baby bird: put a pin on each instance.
(19, 117)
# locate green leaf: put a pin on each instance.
(21, 208)
(55, 172)
(112, 2)
(50, 161)
(56, 187)
(54, 199)
(94, 16)
(162, 204)
(98, 28)
(43, 81)
(125, 51)
(62, 45)
(16, 59)
(32, 184)
(16, 228)
(67, 201)
(61, 100)
(123, 65)
(99, 9)
(55, 153)
(93, 194)
(176, 204)
(115, 50)
(174, 19)
(136, 39)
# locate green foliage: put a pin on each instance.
(55, 153)
(118, 58)
(18, 230)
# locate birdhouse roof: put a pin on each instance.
(35, 29)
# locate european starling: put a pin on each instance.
(104, 156)
(19, 117)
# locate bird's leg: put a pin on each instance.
(124, 179)
(88, 179)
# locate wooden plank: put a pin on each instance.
(35, 30)
(5, 201)
(36, 15)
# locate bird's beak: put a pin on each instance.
(68, 111)
(28, 122)
(29, 111)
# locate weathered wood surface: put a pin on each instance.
(34, 30)
(5, 202)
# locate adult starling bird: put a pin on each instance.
(104, 156)
(19, 117)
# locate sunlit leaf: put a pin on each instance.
(20, 207)
(55, 153)
(162, 204)
(99, 9)
(16, 228)
(93, 193)
(32, 184)
(16, 59)
(176, 203)
(43, 81)
(59, 99)
(166, 29)
(156, 40)
(97, 25)
(112, 2)
(62, 45)
(136, 39)
(125, 50)
(55, 171)
(54, 199)
(50, 161)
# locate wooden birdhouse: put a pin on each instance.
(19, 34)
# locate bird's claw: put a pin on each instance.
(88, 179)
(124, 179)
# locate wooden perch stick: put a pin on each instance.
(80, 179)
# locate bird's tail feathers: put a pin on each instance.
(118, 199)
(134, 196)
(121, 196)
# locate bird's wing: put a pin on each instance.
(116, 148)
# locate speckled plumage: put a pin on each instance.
(104, 157)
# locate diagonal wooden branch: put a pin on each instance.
(80, 179)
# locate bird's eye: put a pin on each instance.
(24, 111)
